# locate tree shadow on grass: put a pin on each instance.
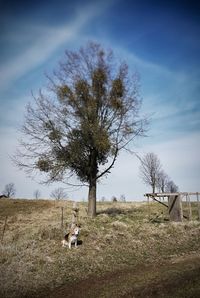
(115, 211)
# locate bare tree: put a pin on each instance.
(122, 198)
(150, 168)
(37, 194)
(9, 190)
(78, 126)
(59, 194)
(171, 187)
(114, 199)
(162, 181)
(103, 199)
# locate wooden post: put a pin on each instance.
(62, 208)
(189, 207)
(75, 211)
(175, 208)
(4, 228)
(198, 205)
(148, 207)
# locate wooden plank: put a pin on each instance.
(168, 194)
(164, 194)
(160, 202)
(175, 209)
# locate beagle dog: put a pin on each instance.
(71, 237)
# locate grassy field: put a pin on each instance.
(128, 250)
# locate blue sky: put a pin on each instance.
(158, 39)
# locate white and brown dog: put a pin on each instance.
(71, 237)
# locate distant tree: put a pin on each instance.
(171, 187)
(150, 168)
(89, 113)
(37, 194)
(122, 198)
(162, 181)
(59, 194)
(9, 190)
(114, 199)
(103, 199)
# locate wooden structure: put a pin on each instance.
(75, 213)
(175, 204)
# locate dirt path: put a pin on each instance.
(177, 277)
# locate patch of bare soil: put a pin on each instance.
(177, 277)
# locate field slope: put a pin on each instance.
(124, 252)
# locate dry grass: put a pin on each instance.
(122, 235)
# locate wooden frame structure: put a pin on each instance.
(175, 203)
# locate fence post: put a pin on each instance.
(148, 202)
(198, 205)
(62, 218)
(4, 228)
(75, 211)
(189, 207)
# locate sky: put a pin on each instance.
(158, 39)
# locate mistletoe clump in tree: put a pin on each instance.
(89, 112)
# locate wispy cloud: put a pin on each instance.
(48, 40)
(167, 92)
(143, 64)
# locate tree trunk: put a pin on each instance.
(92, 199)
(92, 184)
